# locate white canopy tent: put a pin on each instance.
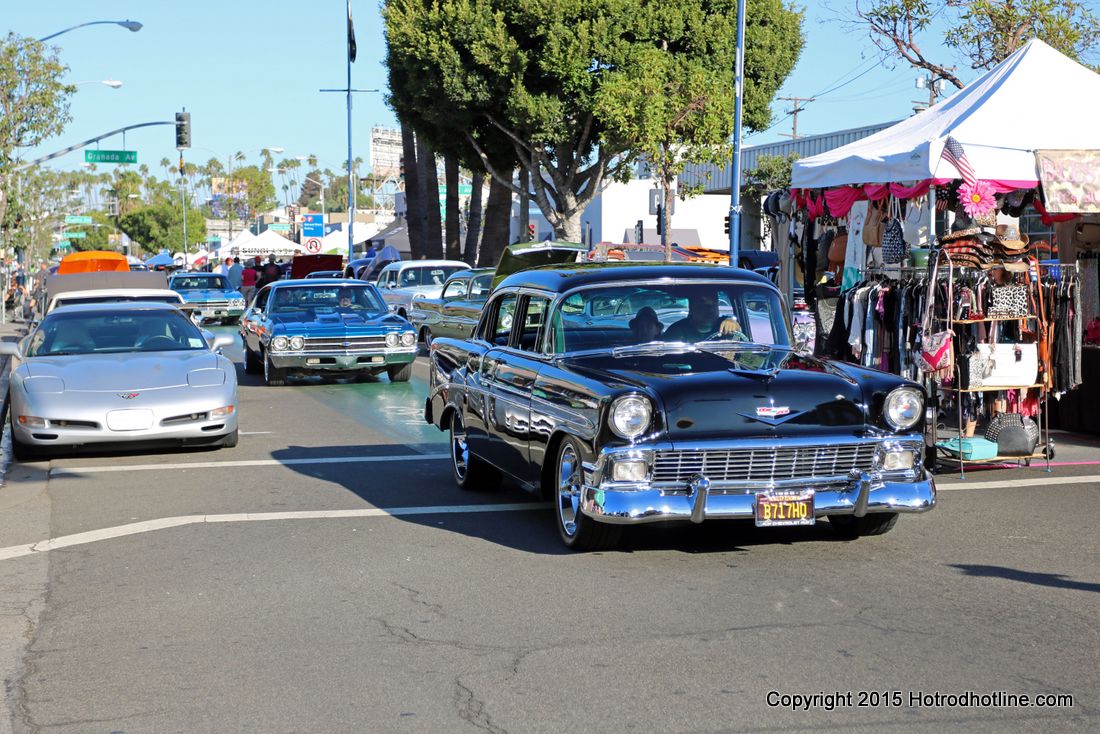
(337, 240)
(992, 118)
(270, 243)
(241, 238)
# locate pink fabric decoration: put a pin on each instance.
(1049, 219)
(977, 200)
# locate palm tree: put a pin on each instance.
(166, 165)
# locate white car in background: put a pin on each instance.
(401, 282)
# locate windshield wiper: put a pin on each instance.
(654, 347)
(737, 346)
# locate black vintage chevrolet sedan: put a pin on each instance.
(641, 393)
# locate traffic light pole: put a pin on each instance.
(735, 173)
(89, 141)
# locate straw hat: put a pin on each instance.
(1010, 237)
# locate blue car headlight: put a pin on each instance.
(279, 343)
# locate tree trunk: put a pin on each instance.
(666, 215)
(429, 192)
(413, 207)
(524, 204)
(454, 218)
(568, 228)
(498, 217)
(473, 223)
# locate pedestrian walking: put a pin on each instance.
(234, 274)
(248, 281)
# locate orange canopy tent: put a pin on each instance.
(93, 261)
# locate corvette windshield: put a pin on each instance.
(200, 282)
(309, 301)
(104, 332)
(693, 313)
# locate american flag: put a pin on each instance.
(954, 153)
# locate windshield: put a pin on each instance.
(200, 282)
(617, 316)
(435, 275)
(308, 302)
(105, 332)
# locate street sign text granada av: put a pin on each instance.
(110, 156)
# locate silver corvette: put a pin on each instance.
(119, 372)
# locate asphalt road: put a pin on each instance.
(459, 612)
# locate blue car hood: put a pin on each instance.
(209, 295)
(335, 323)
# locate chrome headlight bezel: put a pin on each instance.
(903, 408)
(392, 339)
(630, 415)
(279, 343)
(408, 338)
(297, 343)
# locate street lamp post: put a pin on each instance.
(112, 83)
(322, 185)
(131, 25)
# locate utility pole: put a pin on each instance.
(794, 114)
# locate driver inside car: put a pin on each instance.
(703, 322)
(345, 302)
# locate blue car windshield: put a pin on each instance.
(326, 299)
(105, 332)
(622, 315)
(200, 282)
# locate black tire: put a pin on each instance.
(230, 440)
(23, 451)
(847, 526)
(426, 337)
(229, 322)
(578, 531)
(400, 372)
(273, 376)
(470, 473)
(252, 363)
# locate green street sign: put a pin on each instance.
(110, 156)
(77, 219)
(279, 227)
(74, 235)
(63, 244)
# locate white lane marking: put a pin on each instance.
(1012, 482)
(79, 470)
(255, 433)
(120, 531)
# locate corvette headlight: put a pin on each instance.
(279, 343)
(296, 343)
(392, 339)
(408, 339)
(903, 408)
(630, 416)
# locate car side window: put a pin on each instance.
(503, 311)
(261, 300)
(534, 322)
(479, 286)
(455, 289)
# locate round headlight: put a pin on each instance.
(630, 416)
(408, 339)
(296, 343)
(904, 408)
(392, 339)
(279, 343)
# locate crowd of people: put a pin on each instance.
(23, 287)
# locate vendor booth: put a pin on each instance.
(910, 244)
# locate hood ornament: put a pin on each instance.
(772, 415)
(772, 411)
(128, 395)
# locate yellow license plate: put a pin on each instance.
(778, 510)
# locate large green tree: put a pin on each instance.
(981, 32)
(533, 73)
(159, 226)
(34, 105)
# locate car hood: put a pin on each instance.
(209, 295)
(715, 393)
(335, 323)
(123, 371)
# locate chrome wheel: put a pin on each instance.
(569, 489)
(460, 450)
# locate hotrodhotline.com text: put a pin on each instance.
(830, 700)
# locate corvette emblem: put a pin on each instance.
(772, 411)
(128, 395)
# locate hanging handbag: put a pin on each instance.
(895, 249)
(964, 303)
(872, 225)
(979, 368)
(937, 357)
(838, 250)
(971, 449)
(1043, 336)
(1014, 434)
(1009, 301)
(1014, 365)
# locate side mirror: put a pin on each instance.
(221, 341)
(208, 336)
(10, 349)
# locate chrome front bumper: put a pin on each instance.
(343, 361)
(856, 493)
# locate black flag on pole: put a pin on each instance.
(351, 35)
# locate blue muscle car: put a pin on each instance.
(208, 296)
(325, 325)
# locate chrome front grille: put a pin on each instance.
(764, 464)
(210, 304)
(350, 344)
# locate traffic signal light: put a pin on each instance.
(183, 130)
(660, 219)
(727, 225)
(530, 231)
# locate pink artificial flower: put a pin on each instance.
(977, 200)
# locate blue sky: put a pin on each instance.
(249, 72)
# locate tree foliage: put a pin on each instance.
(982, 32)
(771, 172)
(557, 82)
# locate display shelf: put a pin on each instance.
(989, 389)
(944, 456)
